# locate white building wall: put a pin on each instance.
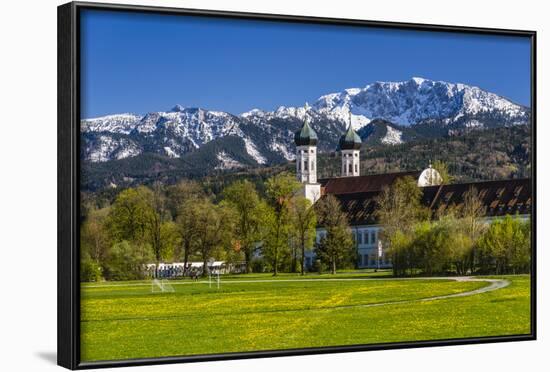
(350, 163)
(312, 192)
(366, 239)
(306, 164)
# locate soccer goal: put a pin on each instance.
(158, 286)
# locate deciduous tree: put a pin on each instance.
(243, 198)
(336, 248)
(214, 230)
(304, 220)
(399, 209)
(280, 189)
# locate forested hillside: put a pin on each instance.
(498, 153)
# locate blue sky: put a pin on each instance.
(137, 62)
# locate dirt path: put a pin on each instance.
(494, 284)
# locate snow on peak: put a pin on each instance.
(253, 151)
(118, 123)
(416, 100)
(226, 161)
(392, 137)
(171, 153)
(253, 112)
(418, 80)
(405, 103)
(177, 108)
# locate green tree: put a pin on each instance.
(155, 217)
(280, 189)
(304, 220)
(460, 251)
(432, 246)
(443, 169)
(336, 248)
(243, 198)
(170, 240)
(183, 199)
(94, 242)
(471, 214)
(90, 270)
(214, 231)
(138, 216)
(127, 218)
(180, 193)
(404, 259)
(126, 261)
(399, 210)
(507, 242)
(187, 227)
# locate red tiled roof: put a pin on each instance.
(499, 198)
(369, 183)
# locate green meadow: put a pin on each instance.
(122, 320)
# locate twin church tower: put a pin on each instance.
(306, 157)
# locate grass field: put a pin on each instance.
(257, 312)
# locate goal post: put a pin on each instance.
(160, 286)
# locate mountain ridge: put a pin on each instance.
(412, 109)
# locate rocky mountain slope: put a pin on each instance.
(382, 112)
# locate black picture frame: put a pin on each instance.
(68, 319)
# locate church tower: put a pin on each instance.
(306, 160)
(350, 145)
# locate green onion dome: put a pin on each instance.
(350, 140)
(305, 136)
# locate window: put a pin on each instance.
(360, 237)
(372, 237)
(312, 165)
(305, 165)
(350, 168)
(366, 260)
(356, 154)
(366, 236)
(355, 168)
(299, 166)
(311, 151)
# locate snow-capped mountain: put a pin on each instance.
(420, 100)
(268, 135)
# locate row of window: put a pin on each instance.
(350, 168)
(365, 236)
(364, 260)
(360, 237)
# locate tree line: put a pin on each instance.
(270, 228)
(268, 231)
(455, 241)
